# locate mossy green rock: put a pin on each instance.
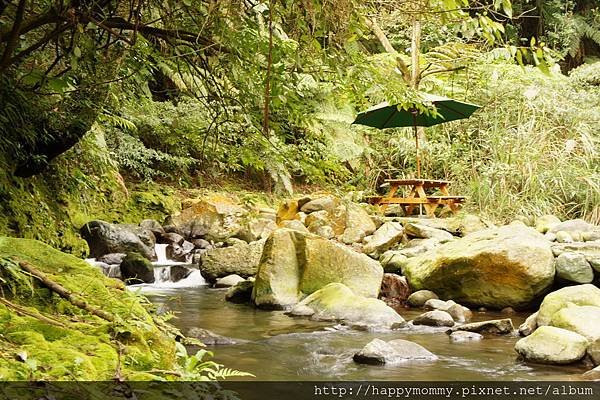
(581, 295)
(135, 268)
(496, 268)
(241, 259)
(279, 272)
(295, 264)
(550, 345)
(336, 302)
(64, 342)
(584, 320)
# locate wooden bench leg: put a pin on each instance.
(391, 194)
(430, 209)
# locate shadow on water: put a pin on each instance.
(290, 348)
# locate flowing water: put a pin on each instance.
(279, 347)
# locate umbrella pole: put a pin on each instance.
(417, 146)
(418, 156)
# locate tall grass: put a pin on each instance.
(533, 148)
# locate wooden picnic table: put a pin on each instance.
(418, 196)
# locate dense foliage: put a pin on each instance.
(199, 91)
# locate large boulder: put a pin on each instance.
(336, 302)
(379, 352)
(384, 238)
(241, 259)
(584, 320)
(295, 264)
(135, 268)
(590, 250)
(550, 345)
(581, 295)
(496, 268)
(104, 238)
(214, 218)
(573, 267)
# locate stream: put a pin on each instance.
(280, 347)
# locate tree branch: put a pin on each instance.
(440, 71)
(13, 37)
(380, 34)
(64, 293)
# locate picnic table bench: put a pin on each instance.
(418, 196)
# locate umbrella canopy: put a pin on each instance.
(384, 116)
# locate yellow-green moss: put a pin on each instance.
(79, 345)
(81, 185)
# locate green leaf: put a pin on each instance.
(507, 8)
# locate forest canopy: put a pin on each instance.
(266, 90)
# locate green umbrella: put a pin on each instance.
(440, 110)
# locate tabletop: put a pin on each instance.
(431, 182)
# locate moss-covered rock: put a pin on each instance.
(584, 320)
(56, 339)
(135, 268)
(497, 268)
(336, 302)
(81, 185)
(241, 259)
(580, 295)
(295, 264)
(550, 345)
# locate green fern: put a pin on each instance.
(584, 27)
(13, 277)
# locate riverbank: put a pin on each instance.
(320, 283)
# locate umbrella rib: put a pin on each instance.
(388, 119)
(451, 109)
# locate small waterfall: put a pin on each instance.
(161, 256)
(161, 252)
(162, 274)
(165, 275)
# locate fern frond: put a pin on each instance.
(117, 122)
(224, 373)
